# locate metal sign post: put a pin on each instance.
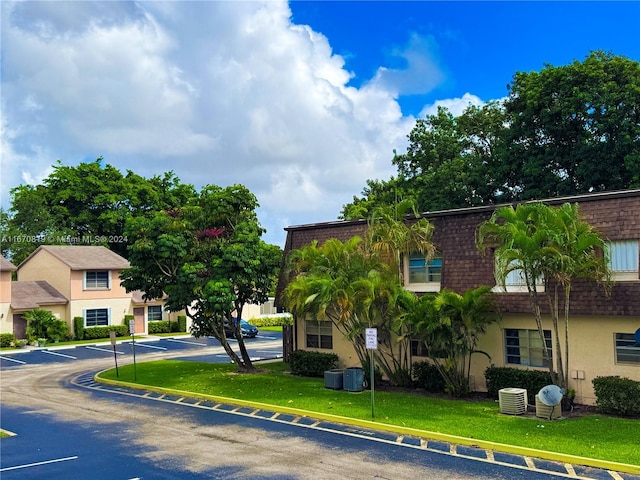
(112, 336)
(372, 344)
(132, 331)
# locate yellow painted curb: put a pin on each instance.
(471, 442)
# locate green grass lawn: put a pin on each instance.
(592, 436)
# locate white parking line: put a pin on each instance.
(58, 354)
(148, 346)
(184, 341)
(13, 360)
(104, 350)
(57, 460)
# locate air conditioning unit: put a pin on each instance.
(333, 379)
(513, 401)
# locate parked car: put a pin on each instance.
(248, 330)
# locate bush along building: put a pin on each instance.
(603, 317)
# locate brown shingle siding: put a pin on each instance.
(615, 215)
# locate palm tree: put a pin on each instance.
(574, 251)
(393, 237)
(450, 325)
(519, 243)
(550, 243)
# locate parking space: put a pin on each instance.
(260, 347)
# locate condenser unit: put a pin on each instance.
(513, 401)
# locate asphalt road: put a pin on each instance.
(68, 431)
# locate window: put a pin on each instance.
(96, 279)
(421, 272)
(319, 334)
(154, 313)
(515, 282)
(524, 347)
(96, 317)
(627, 349)
(623, 259)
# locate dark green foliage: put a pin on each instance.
(160, 327)
(427, 376)
(6, 339)
(43, 324)
(617, 396)
(78, 327)
(92, 333)
(508, 377)
(312, 364)
(563, 130)
(127, 320)
(182, 323)
(87, 203)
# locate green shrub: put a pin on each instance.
(427, 376)
(498, 378)
(275, 320)
(127, 320)
(43, 324)
(618, 396)
(78, 327)
(6, 340)
(92, 333)
(312, 364)
(158, 327)
(182, 323)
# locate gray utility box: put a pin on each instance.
(333, 379)
(353, 380)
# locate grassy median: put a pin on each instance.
(592, 436)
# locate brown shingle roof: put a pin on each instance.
(6, 265)
(84, 257)
(29, 295)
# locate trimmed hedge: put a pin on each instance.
(275, 320)
(506, 377)
(158, 327)
(617, 396)
(427, 376)
(6, 340)
(78, 327)
(182, 323)
(91, 333)
(312, 364)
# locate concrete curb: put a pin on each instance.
(471, 442)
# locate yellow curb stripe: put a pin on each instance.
(407, 431)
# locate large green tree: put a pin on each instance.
(86, 203)
(208, 258)
(562, 130)
(547, 243)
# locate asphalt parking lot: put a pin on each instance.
(265, 345)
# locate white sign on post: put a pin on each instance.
(372, 338)
(132, 326)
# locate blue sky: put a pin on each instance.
(301, 102)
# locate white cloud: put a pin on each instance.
(218, 92)
(421, 73)
(455, 105)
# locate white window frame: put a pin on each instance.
(528, 335)
(515, 283)
(625, 345)
(85, 285)
(84, 315)
(432, 267)
(623, 260)
(318, 329)
(149, 307)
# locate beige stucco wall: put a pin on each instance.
(6, 318)
(45, 266)
(77, 291)
(5, 287)
(119, 308)
(591, 350)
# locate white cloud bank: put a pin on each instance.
(218, 92)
